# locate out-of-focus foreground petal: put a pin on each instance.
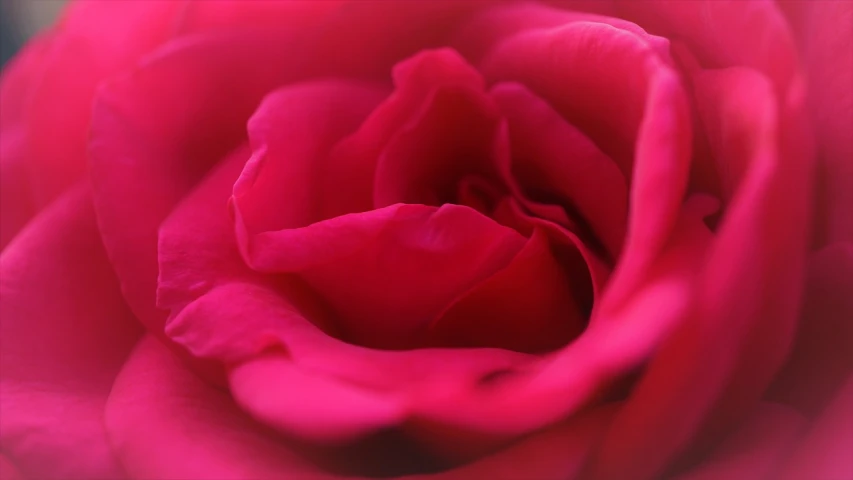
(66, 332)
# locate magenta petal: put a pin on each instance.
(257, 318)
(66, 332)
(650, 111)
(492, 25)
(169, 122)
(388, 272)
(620, 340)
(280, 393)
(821, 360)
(827, 35)
(825, 450)
(755, 449)
(62, 73)
(167, 423)
(196, 249)
(8, 471)
(559, 452)
(318, 387)
(17, 201)
(752, 279)
(292, 179)
(230, 16)
(756, 34)
(610, 110)
(734, 106)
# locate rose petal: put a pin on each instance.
(526, 307)
(451, 138)
(489, 27)
(62, 74)
(617, 343)
(291, 178)
(826, 35)
(19, 75)
(66, 333)
(651, 108)
(298, 401)
(752, 280)
(168, 122)
(165, 422)
(731, 103)
(560, 452)
(203, 270)
(238, 322)
(263, 318)
(417, 80)
(232, 321)
(755, 449)
(549, 155)
(724, 33)
(8, 471)
(222, 16)
(196, 248)
(821, 360)
(825, 450)
(388, 272)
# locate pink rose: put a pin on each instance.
(432, 240)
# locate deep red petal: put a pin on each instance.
(755, 449)
(528, 306)
(821, 360)
(552, 157)
(825, 450)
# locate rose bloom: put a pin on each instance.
(429, 240)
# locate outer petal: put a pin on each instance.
(825, 451)
(821, 360)
(224, 15)
(559, 452)
(755, 449)
(8, 471)
(488, 28)
(295, 400)
(167, 423)
(66, 332)
(725, 33)
(59, 85)
(752, 280)
(156, 132)
(16, 201)
(828, 40)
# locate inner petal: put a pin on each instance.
(553, 158)
(527, 306)
(450, 139)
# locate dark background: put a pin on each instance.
(20, 19)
